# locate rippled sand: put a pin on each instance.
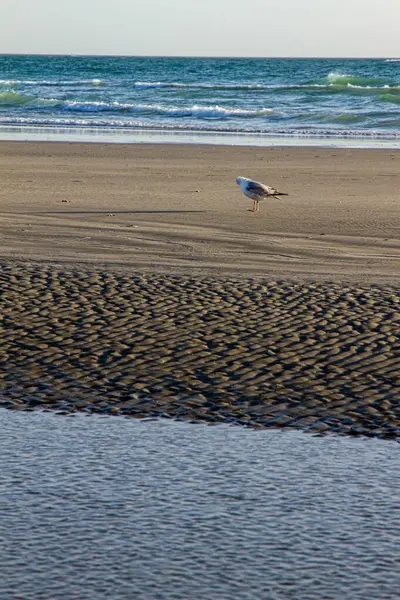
(317, 356)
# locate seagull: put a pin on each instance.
(257, 191)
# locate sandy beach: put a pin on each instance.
(177, 208)
(136, 281)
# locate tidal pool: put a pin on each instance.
(97, 508)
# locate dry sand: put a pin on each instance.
(177, 209)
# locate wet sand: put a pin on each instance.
(135, 282)
(317, 356)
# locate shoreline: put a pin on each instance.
(109, 135)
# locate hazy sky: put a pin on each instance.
(202, 27)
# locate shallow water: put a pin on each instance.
(154, 136)
(103, 507)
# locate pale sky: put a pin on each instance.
(311, 28)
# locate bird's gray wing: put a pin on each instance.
(258, 188)
(269, 191)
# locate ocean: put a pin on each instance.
(351, 102)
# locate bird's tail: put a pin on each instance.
(280, 194)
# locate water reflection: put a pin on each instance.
(109, 135)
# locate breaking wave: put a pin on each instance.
(201, 86)
(332, 83)
(333, 80)
(344, 79)
(12, 98)
(56, 83)
(199, 112)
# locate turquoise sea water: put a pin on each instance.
(234, 99)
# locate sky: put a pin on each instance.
(266, 28)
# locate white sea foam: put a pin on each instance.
(209, 112)
(44, 82)
(76, 105)
(203, 86)
(158, 84)
(199, 112)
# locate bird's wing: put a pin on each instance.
(270, 191)
(255, 189)
(258, 188)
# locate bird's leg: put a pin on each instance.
(255, 206)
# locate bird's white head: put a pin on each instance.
(240, 180)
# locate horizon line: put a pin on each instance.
(199, 56)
